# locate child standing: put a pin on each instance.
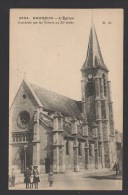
(36, 178)
(31, 179)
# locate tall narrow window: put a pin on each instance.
(103, 110)
(79, 149)
(99, 146)
(89, 85)
(104, 80)
(67, 147)
(90, 150)
(89, 88)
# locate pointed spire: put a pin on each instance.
(94, 57)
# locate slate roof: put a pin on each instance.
(94, 57)
(56, 102)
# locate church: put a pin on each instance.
(55, 132)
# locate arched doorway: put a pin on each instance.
(26, 160)
(23, 158)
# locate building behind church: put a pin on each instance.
(53, 131)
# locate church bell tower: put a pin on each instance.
(96, 97)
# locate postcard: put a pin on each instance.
(66, 99)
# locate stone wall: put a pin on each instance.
(69, 159)
(81, 159)
(107, 156)
(46, 150)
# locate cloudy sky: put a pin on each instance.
(51, 55)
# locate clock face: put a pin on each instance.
(23, 119)
(90, 76)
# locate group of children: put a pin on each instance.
(31, 177)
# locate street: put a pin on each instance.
(78, 181)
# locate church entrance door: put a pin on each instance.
(26, 160)
(47, 165)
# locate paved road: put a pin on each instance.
(77, 181)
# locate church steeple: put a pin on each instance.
(94, 57)
(97, 106)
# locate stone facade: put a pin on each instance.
(53, 131)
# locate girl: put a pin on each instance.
(31, 179)
(36, 178)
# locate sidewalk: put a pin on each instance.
(85, 180)
(77, 181)
(44, 176)
(110, 177)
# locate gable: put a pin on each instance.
(23, 102)
(30, 96)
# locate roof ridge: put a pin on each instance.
(33, 92)
(56, 102)
(53, 91)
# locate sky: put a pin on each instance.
(51, 55)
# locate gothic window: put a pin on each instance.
(104, 81)
(89, 88)
(79, 149)
(67, 147)
(99, 147)
(103, 112)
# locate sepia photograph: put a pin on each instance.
(65, 99)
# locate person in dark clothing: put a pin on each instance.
(36, 178)
(27, 175)
(116, 166)
(13, 178)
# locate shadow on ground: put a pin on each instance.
(113, 176)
